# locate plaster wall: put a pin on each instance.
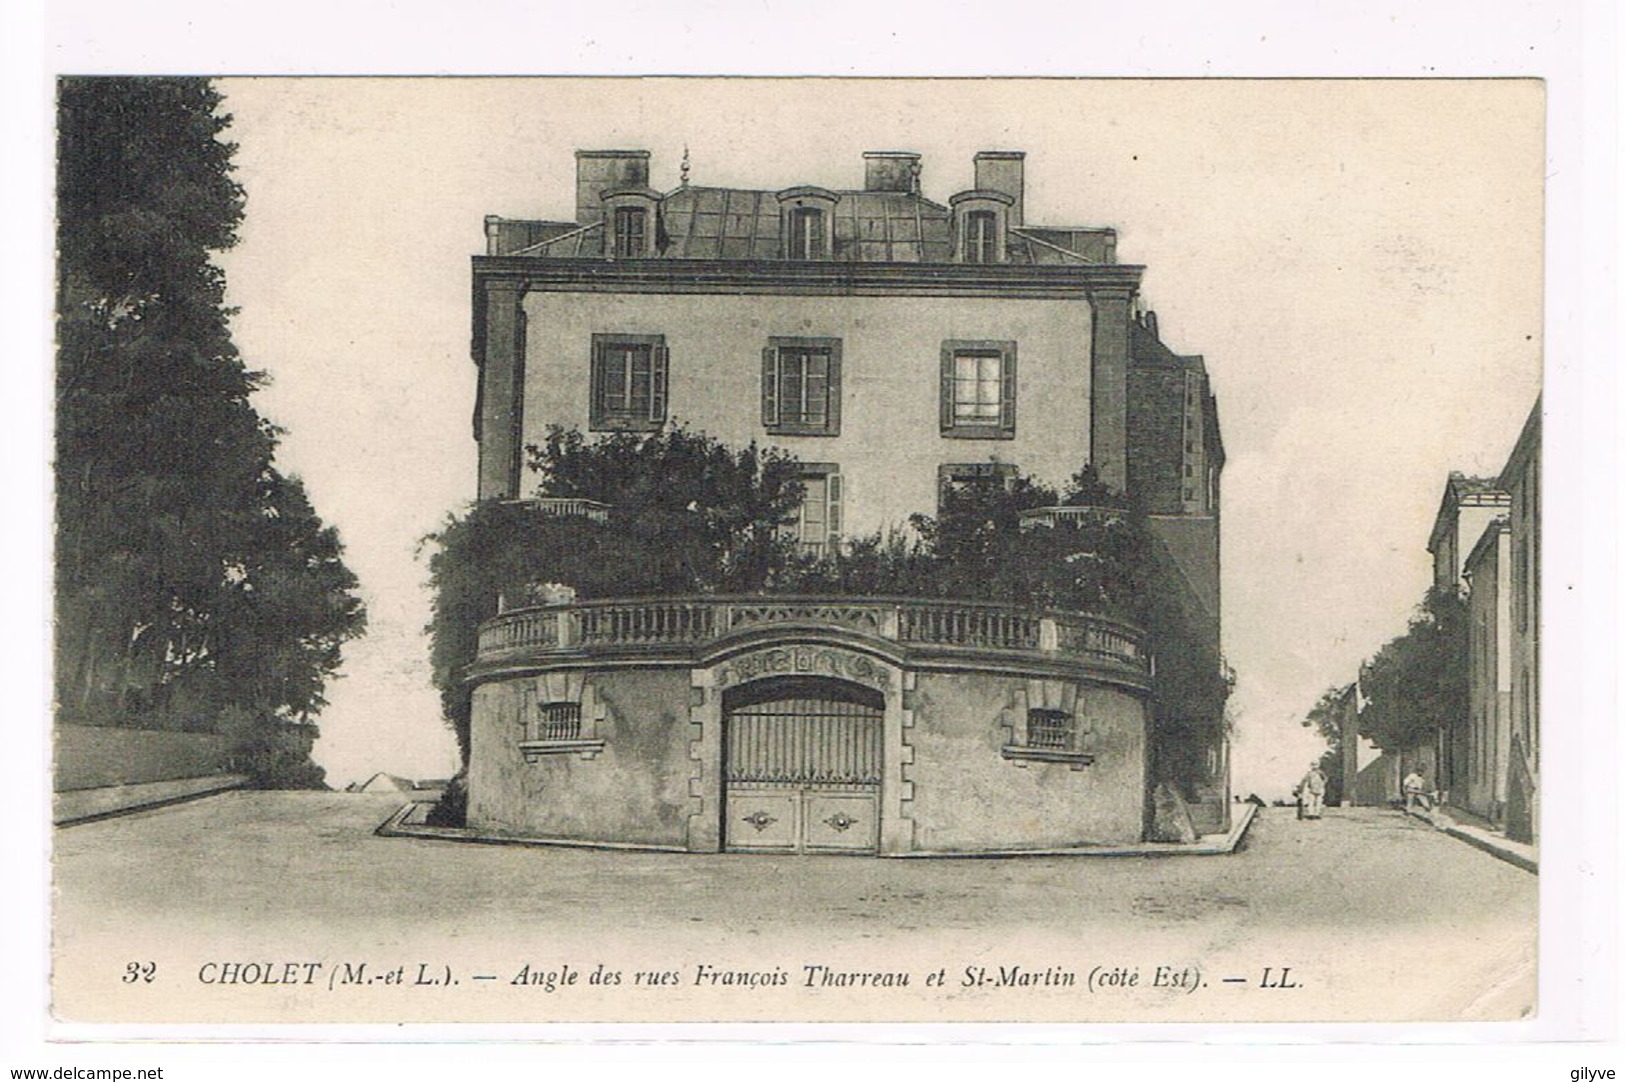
(890, 444)
(1490, 680)
(967, 796)
(635, 790)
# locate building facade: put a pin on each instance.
(1483, 747)
(1520, 479)
(1487, 538)
(1468, 506)
(896, 345)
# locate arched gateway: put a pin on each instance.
(802, 766)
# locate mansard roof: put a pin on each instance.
(695, 222)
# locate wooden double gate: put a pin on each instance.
(801, 768)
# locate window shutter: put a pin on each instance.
(1007, 400)
(658, 367)
(947, 418)
(770, 387)
(833, 518)
(595, 404)
(832, 416)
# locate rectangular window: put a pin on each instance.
(558, 721)
(817, 527)
(628, 382)
(1052, 730)
(979, 390)
(981, 237)
(806, 233)
(801, 386)
(958, 476)
(629, 232)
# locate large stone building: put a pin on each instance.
(896, 345)
(1520, 479)
(1487, 537)
(1454, 759)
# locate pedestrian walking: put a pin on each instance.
(1312, 793)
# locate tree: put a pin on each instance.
(1416, 685)
(712, 515)
(1326, 717)
(688, 515)
(193, 579)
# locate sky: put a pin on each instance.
(1360, 263)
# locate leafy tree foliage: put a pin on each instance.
(710, 516)
(690, 515)
(193, 579)
(1416, 685)
(1326, 718)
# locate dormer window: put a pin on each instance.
(981, 220)
(630, 230)
(806, 217)
(806, 233)
(629, 215)
(981, 237)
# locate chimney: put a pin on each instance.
(891, 171)
(600, 170)
(1001, 171)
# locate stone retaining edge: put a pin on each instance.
(142, 796)
(396, 826)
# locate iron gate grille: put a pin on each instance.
(805, 741)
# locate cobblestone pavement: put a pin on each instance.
(1377, 916)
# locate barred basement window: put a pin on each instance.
(1052, 730)
(558, 721)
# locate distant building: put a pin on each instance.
(1468, 505)
(382, 783)
(1521, 481)
(1482, 745)
(898, 346)
(1490, 758)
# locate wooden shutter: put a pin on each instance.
(659, 366)
(595, 391)
(947, 418)
(832, 415)
(770, 387)
(832, 518)
(1007, 398)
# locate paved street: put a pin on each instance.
(1377, 916)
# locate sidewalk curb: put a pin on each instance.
(396, 826)
(1517, 860)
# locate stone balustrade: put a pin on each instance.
(931, 627)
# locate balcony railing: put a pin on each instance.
(656, 624)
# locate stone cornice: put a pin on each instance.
(766, 277)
